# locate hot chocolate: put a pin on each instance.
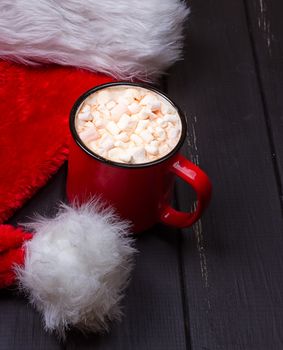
(128, 124)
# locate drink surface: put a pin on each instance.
(128, 124)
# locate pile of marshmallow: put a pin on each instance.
(128, 124)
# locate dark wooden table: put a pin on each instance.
(219, 284)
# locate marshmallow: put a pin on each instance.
(133, 94)
(146, 113)
(164, 149)
(117, 111)
(102, 132)
(80, 122)
(126, 157)
(103, 97)
(93, 145)
(104, 111)
(151, 102)
(123, 136)
(120, 144)
(99, 123)
(127, 123)
(138, 154)
(160, 133)
(131, 144)
(84, 116)
(153, 116)
(110, 105)
(142, 124)
(89, 134)
(156, 106)
(166, 108)
(151, 158)
(146, 135)
(85, 108)
(115, 153)
(154, 143)
(170, 125)
(89, 125)
(143, 114)
(119, 154)
(106, 143)
(171, 143)
(173, 133)
(171, 118)
(162, 122)
(113, 128)
(134, 108)
(147, 100)
(92, 100)
(80, 128)
(95, 114)
(152, 149)
(136, 139)
(125, 100)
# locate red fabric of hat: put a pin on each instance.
(35, 105)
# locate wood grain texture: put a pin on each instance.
(232, 258)
(266, 34)
(21, 327)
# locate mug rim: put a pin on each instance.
(80, 143)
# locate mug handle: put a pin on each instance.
(200, 182)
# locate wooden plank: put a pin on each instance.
(20, 325)
(266, 33)
(232, 259)
(153, 316)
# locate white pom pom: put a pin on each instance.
(77, 266)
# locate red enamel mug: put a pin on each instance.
(140, 193)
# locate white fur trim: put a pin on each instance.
(126, 39)
(76, 268)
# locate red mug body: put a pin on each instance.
(140, 193)
(137, 194)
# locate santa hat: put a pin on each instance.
(112, 40)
